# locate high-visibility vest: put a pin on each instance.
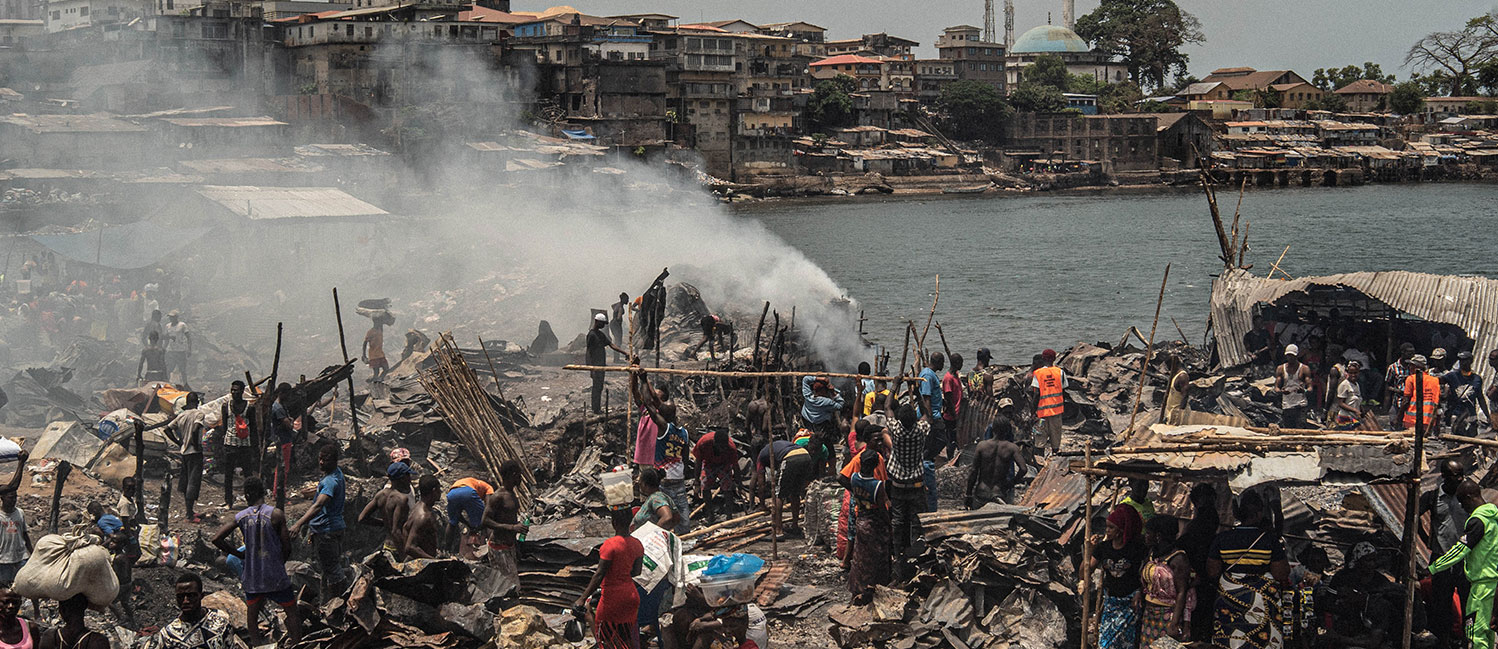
(1429, 396)
(1052, 403)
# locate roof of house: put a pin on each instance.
(954, 28)
(845, 59)
(794, 25)
(1200, 88)
(338, 150)
(702, 28)
(260, 203)
(646, 17)
(1365, 87)
(1231, 71)
(226, 122)
(249, 165)
(1287, 86)
(96, 123)
(724, 24)
(479, 14)
(1163, 121)
(1255, 79)
(1049, 38)
(1450, 100)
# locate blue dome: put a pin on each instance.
(1049, 39)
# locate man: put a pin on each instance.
(718, 460)
(873, 400)
(906, 468)
(284, 429)
(266, 548)
(326, 519)
(152, 365)
(153, 326)
(981, 380)
(15, 542)
(671, 445)
(234, 423)
(1139, 498)
(794, 465)
(1394, 378)
(1347, 409)
(951, 399)
(996, 465)
(931, 402)
(616, 325)
(1175, 392)
(74, 632)
(1467, 400)
(502, 519)
(421, 526)
(598, 346)
(1048, 386)
(820, 403)
(1259, 341)
(390, 507)
(1477, 551)
(188, 427)
(373, 350)
(195, 627)
(1437, 361)
(465, 511)
(177, 341)
(715, 331)
(1447, 518)
(1422, 395)
(1292, 379)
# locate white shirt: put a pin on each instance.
(189, 426)
(1349, 394)
(174, 338)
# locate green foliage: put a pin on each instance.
(1457, 55)
(1183, 80)
(1031, 97)
(846, 83)
(1476, 107)
(1146, 34)
(1047, 70)
(973, 110)
(1330, 79)
(1120, 98)
(1268, 98)
(1433, 84)
(830, 106)
(1086, 85)
(1406, 98)
(1329, 101)
(1487, 77)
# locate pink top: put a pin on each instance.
(645, 440)
(1160, 584)
(25, 642)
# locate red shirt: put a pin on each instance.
(706, 451)
(951, 406)
(619, 602)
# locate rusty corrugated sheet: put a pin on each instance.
(1389, 502)
(1470, 303)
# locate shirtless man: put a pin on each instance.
(390, 507)
(421, 525)
(995, 462)
(502, 519)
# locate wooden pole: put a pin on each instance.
(943, 336)
(353, 414)
(1087, 545)
(1149, 348)
(1178, 329)
(629, 392)
(1412, 513)
(931, 316)
(263, 416)
(492, 370)
(1276, 265)
(61, 478)
(731, 375)
(1222, 237)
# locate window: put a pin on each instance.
(83, 11)
(57, 15)
(348, 30)
(369, 32)
(215, 30)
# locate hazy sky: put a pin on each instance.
(1264, 34)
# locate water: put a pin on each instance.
(1022, 274)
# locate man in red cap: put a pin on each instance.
(1047, 384)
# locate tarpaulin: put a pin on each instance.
(125, 247)
(577, 135)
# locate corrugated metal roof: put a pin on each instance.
(226, 122)
(260, 203)
(1245, 469)
(96, 123)
(250, 165)
(1470, 303)
(1389, 503)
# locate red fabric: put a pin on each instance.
(706, 453)
(619, 602)
(951, 407)
(842, 526)
(1127, 519)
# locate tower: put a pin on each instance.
(1008, 25)
(989, 31)
(1069, 14)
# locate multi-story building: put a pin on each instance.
(867, 72)
(1063, 43)
(21, 9)
(599, 74)
(973, 58)
(1119, 142)
(931, 75)
(571, 39)
(1365, 95)
(64, 15)
(701, 91)
(15, 31)
(880, 44)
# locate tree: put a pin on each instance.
(1433, 84)
(1031, 97)
(1047, 70)
(973, 110)
(829, 105)
(1121, 98)
(1406, 98)
(1330, 79)
(1458, 54)
(1146, 34)
(1329, 101)
(1487, 77)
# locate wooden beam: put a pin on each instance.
(729, 375)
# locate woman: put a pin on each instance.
(619, 561)
(870, 542)
(1196, 541)
(1249, 565)
(659, 509)
(1120, 554)
(15, 632)
(1168, 598)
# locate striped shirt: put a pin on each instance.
(907, 458)
(1247, 550)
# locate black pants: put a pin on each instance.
(597, 392)
(1294, 417)
(192, 478)
(1438, 609)
(329, 549)
(905, 505)
(233, 456)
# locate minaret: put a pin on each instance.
(1069, 14)
(1008, 25)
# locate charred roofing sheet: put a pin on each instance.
(261, 203)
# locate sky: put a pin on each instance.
(1263, 34)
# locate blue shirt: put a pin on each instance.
(330, 517)
(931, 387)
(816, 409)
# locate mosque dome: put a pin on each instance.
(1049, 39)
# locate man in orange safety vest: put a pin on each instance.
(1048, 383)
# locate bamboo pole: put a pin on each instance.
(931, 316)
(713, 528)
(732, 375)
(943, 336)
(1222, 237)
(1179, 330)
(1149, 348)
(263, 416)
(353, 414)
(1412, 512)
(492, 370)
(1490, 443)
(1087, 545)
(1276, 266)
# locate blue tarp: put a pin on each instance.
(578, 135)
(124, 247)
